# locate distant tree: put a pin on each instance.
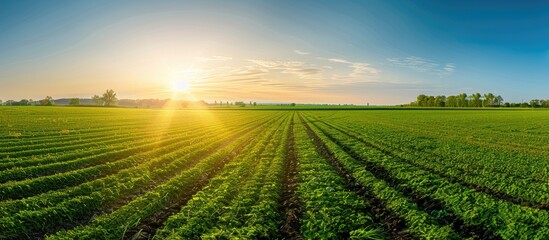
(255, 104)
(293, 104)
(440, 101)
(9, 102)
(48, 101)
(507, 104)
(74, 101)
(451, 101)
(524, 105)
(430, 101)
(462, 100)
(422, 100)
(23, 102)
(240, 103)
(476, 100)
(489, 100)
(535, 103)
(97, 100)
(109, 98)
(544, 103)
(498, 101)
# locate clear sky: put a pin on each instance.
(377, 52)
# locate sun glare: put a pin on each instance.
(180, 86)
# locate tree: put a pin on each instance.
(48, 101)
(430, 101)
(535, 103)
(293, 104)
(451, 101)
(23, 102)
(97, 100)
(440, 101)
(74, 101)
(109, 98)
(498, 100)
(422, 100)
(544, 103)
(476, 100)
(462, 100)
(489, 100)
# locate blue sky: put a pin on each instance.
(380, 52)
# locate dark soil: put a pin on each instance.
(289, 202)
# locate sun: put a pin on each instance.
(179, 86)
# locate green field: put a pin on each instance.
(113, 173)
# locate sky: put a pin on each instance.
(355, 52)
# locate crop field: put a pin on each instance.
(113, 173)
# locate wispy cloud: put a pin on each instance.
(301, 52)
(337, 60)
(425, 65)
(359, 69)
(449, 67)
(214, 58)
(298, 68)
(309, 74)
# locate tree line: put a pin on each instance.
(107, 99)
(474, 100)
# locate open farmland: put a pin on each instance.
(100, 173)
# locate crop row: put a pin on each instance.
(231, 196)
(118, 152)
(418, 222)
(54, 208)
(489, 160)
(56, 136)
(484, 176)
(30, 187)
(100, 148)
(54, 147)
(151, 165)
(181, 186)
(329, 210)
(60, 140)
(475, 209)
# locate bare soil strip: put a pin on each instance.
(289, 202)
